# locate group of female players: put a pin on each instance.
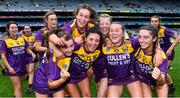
(85, 48)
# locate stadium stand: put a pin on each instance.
(132, 13)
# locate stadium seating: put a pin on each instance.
(132, 13)
(159, 6)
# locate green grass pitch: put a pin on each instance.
(6, 88)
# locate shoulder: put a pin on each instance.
(70, 23)
(44, 29)
(90, 25)
(163, 55)
(162, 27)
(127, 42)
(69, 26)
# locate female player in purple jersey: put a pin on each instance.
(30, 39)
(50, 24)
(118, 62)
(84, 15)
(104, 22)
(83, 58)
(149, 73)
(13, 52)
(164, 35)
(50, 20)
(52, 74)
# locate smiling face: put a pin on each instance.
(13, 29)
(155, 22)
(83, 17)
(104, 24)
(27, 29)
(51, 21)
(68, 48)
(116, 33)
(146, 39)
(92, 42)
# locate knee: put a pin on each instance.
(17, 85)
(87, 94)
(31, 72)
(101, 94)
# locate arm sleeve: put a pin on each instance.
(26, 43)
(67, 28)
(76, 46)
(135, 42)
(164, 66)
(38, 35)
(169, 32)
(51, 71)
(99, 64)
(3, 47)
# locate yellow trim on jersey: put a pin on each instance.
(75, 31)
(163, 55)
(62, 63)
(14, 43)
(146, 59)
(141, 57)
(30, 39)
(45, 29)
(125, 48)
(73, 24)
(90, 25)
(161, 32)
(87, 57)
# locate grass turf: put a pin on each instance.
(6, 88)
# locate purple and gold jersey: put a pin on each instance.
(71, 27)
(40, 38)
(80, 63)
(144, 66)
(49, 71)
(99, 66)
(164, 36)
(15, 50)
(118, 62)
(99, 69)
(30, 40)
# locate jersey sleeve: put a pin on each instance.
(76, 46)
(164, 66)
(67, 27)
(3, 47)
(135, 42)
(26, 44)
(52, 71)
(169, 32)
(38, 36)
(100, 62)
